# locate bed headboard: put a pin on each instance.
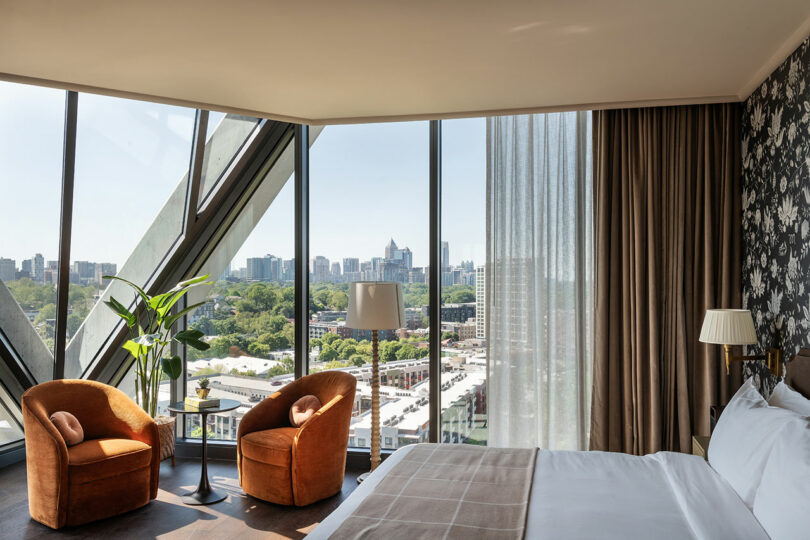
(797, 373)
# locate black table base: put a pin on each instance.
(204, 493)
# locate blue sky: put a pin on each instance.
(369, 182)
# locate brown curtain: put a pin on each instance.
(667, 198)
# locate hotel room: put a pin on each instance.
(226, 230)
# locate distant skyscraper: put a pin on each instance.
(8, 269)
(320, 269)
(480, 302)
(274, 268)
(105, 269)
(288, 269)
(336, 272)
(390, 249)
(256, 269)
(85, 269)
(27, 268)
(351, 265)
(38, 268)
(445, 255)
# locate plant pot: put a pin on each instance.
(166, 432)
(202, 393)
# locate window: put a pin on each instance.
(369, 222)
(464, 351)
(10, 427)
(128, 207)
(224, 138)
(248, 313)
(31, 131)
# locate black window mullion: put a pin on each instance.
(301, 142)
(195, 168)
(65, 227)
(435, 275)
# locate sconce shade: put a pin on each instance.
(375, 305)
(728, 327)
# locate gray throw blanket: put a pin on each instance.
(448, 491)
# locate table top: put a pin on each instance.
(224, 405)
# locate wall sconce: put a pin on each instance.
(729, 327)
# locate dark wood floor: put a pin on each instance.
(238, 516)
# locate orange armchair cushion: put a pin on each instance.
(303, 409)
(271, 446)
(69, 427)
(102, 458)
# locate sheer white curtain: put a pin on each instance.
(539, 280)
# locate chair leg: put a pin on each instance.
(172, 460)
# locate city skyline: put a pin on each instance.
(369, 182)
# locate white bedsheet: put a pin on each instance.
(605, 495)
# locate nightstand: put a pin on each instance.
(700, 446)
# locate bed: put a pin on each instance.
(576, 494)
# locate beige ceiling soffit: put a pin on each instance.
(372, 119)
(10, 77)
(531, 110)
(779, 56)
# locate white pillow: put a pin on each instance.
(743, 438)
(782, 502)
(788, 398)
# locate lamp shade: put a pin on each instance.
(375, 305)
(728, 327)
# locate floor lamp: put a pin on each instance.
(375, 305)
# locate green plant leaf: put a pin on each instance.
(135, 349)
(191, 338)
(169, 321)
(121, 311)
(156, 300)
(195, 281)
(172, 367)
(140, 291)
(164, 309)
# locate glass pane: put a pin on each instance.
(372, 181)
(248, 313)
(224, 138)
(464, 356)
(10, 429)
(129, 198)
(31, 131)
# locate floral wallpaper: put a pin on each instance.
(776, 210)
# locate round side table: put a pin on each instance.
(204, 493)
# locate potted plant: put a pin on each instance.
(150, 334)
(202, 388)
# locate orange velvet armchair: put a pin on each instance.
(288, 465)
(113, 471)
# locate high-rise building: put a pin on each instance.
(105, 269)
(445, 255)
(8, 269)
(256, 269)
(38, 268)
(351, 264)
(336, 275)
(85, 269)
(27, 268)
(480, 302)
(390, 249)
(288, 270)
(320, 269)
(274, 268)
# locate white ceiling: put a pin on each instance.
(333, 61)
